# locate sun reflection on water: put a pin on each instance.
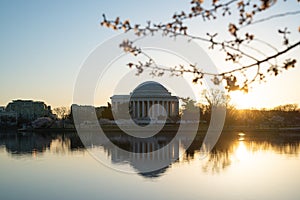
(241, 152)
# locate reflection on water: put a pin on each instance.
(36, 143)
(236, 147)
(262, 165)
(231, 148)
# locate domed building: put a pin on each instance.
(148, 100)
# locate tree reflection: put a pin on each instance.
(217, 161)
(232, 147)
(37, 143)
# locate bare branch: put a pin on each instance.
(273, 17)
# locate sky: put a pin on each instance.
(45, 43)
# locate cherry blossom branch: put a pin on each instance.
(246, 10)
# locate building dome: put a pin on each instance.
(149, 99)
(150, 88)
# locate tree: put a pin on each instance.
(215, 98)
(61, 112)
(107, 112)
(190, 110)
(241, 46)
(287, 108)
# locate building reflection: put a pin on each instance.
(157, 153)
(141, 154)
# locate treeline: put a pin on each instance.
(280, 116)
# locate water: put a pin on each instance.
(242, 166)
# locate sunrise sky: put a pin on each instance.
(45, 43)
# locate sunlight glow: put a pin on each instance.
(241, 153)
(243, 100)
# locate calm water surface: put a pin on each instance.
(56, 166)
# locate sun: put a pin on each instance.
(242, 100)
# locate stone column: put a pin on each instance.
(157, 108)
(135, 109)
(143, 109)
(148, 106)
(152, 107)
(148, 150)
(130, 106)
(167, 108)
(152, 151)
(138, 147)
(163, 104)
(160, 109)
(157, 152)
(177, 108)
(143, 149)
(138, 109)
(171, 108)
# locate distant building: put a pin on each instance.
(28, 109)
(2, 108)
(118, 100)
(83, 112)
(149, 99)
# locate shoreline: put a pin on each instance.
(167, 128)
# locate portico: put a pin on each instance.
(163, 107)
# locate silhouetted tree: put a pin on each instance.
(287, 108)
(213, 98)
(189, 109)
(107, 112)
(216, 97)
(61, 112)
